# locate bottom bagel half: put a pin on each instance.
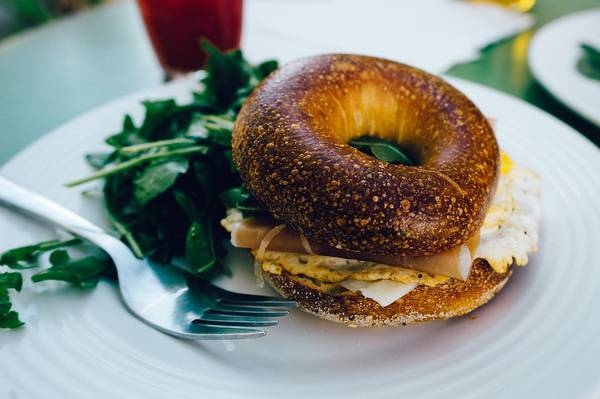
(359, 293)
(424, 303)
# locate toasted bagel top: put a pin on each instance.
(290, 146)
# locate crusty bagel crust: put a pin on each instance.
(454, 298)
(289, 143)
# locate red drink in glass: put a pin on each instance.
(177, 26)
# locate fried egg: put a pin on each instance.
(508, 234)
(510, 228)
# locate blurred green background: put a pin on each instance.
(503, 66)
(79, 63)
(18, 15)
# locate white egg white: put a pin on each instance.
(509, 233)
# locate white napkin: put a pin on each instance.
(430, 34)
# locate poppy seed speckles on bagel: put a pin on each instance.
(290, 146)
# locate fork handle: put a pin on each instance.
(27, 202)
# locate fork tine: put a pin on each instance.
(246, 311)
(236, 296)
(228, 320)
(205, 332)
(261, 304)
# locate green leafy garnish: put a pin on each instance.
(8, 317)
(240, 198)
(11, 280)
(165, 177)
(589, 63)
(230, 79)
(83, 272)
(382, 149)
(200, 248)
(99, 160)
(26, 257)
(141, 160)
(216, 128)
(158, 178)
(167, 183)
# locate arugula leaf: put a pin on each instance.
(59, 257)
(159, 145)
(100, 159)
(234, 196)
(163, 119)
(5, 304)
(589, 63)
(199, 250)
(11, 280)
(229, 156)
(127, 136)
(157, 178)
(83, 273)
(228, 73)
(265, 68)
(138, 161)
(229, 78)
(199, 247)
(216, 128)
(240, 198)
(9, 318)
(382, 149)
(26, 257)
(156, 114)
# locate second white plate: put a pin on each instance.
(553, 56)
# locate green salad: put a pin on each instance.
(167, 184)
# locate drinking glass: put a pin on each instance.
(176, 28)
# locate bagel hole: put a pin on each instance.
(384, 150)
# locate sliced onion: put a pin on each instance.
(306, 245)
(260, 253)
(260, 281)
(465, 262)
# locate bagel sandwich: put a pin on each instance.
(361, 241)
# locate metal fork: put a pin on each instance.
(159, 294)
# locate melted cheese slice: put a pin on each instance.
(384, 292)
(334, 270)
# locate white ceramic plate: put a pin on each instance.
(537, 338)
(553, 55)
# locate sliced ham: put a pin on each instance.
(269, 235)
